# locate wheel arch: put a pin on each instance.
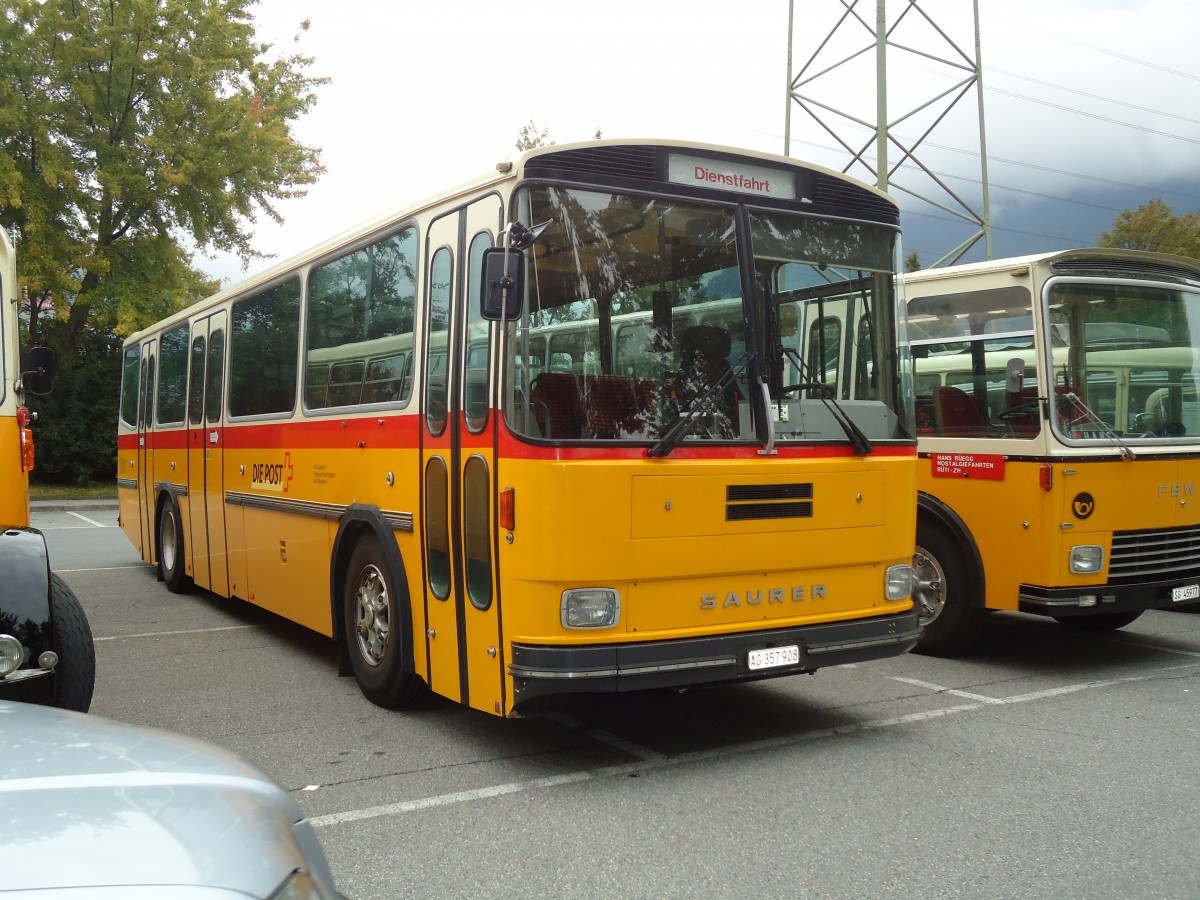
(359, 521)
(165, 493)
(938, 514)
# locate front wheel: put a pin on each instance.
(372, 631)
(170, 549)
(75, 674)
(1101, 622)
(941, 590)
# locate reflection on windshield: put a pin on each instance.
(635, 322)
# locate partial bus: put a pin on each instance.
(554, 431)
(1059, 431)
(46, 649)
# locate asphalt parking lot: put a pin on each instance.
(1047, 764)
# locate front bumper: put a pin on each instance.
(1109, 598)
(539, 670)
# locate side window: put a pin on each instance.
(130, 368)
(440, 274)
(360, 307)
(172, 376)
(196, 383)
(216, 376)
(264, 335)
(475, 381)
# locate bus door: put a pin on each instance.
(206, 475)
(458, 459)
(145, 451)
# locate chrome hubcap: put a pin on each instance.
(929, 586)
(371, 616)
(166, 539)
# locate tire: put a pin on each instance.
(170, 549)
(1101, 622)
(75, 674)
(373, 632)
(941, 591)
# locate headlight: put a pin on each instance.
(12, 654)
(591, 608)
(898, 582)
(1087, 559)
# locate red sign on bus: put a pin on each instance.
(988, 466)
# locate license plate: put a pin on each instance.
(773, 657)
(1187, 592)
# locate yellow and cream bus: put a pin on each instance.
(550, 432)
(1059, 430)
(46, 649)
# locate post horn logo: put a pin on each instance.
(1083, 505)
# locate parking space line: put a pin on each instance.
(91, 522)
(940, 689)
(659, 761)
(105, 568)
(154, 634)
(604, 737)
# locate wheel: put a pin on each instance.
(1101, 622)
(941, 590)
(170, 549)
(372, 631)
(75, 674)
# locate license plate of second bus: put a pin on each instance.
(1187, 592)
(773, 657)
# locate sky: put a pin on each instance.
(1090, 106)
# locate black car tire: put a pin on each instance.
(373, 632)
(75, 674)
(170, 549)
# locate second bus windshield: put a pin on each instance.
(635, 316)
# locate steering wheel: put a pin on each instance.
(1024, 411)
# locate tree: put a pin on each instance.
(912, 262)
(1152, 226)
(130, 131)
(133, 132)
(531, 136)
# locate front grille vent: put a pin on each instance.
(851, 200)
(639, 163)
(1159, 554)
(752, 502)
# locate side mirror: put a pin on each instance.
(503, 284)
(1014, 375)
(38, 378)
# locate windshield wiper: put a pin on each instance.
(1075, 402)
(704, 403)
(860, 442)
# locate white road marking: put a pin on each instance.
(937, 688)
(107, 568)
(659, 761)
(154, 634)
(91, 522)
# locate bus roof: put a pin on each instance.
(1128, 260)
(509, 169)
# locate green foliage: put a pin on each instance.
(131, 132)
(531, 136)
(912, 262)
(75, 432)
(1152, 226)
(125, 127)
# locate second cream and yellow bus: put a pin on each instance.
(1059, 422)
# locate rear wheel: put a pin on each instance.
(1101, 622)
(75, 674)
(373, 632)
(941, 590)
(170, 549)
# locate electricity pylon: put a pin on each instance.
(823, 88)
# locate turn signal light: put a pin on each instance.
(508, 515)
(26, 450)
(24, 416)
(1046, 476)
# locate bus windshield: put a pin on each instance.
(637, 315)
(1130, 353)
